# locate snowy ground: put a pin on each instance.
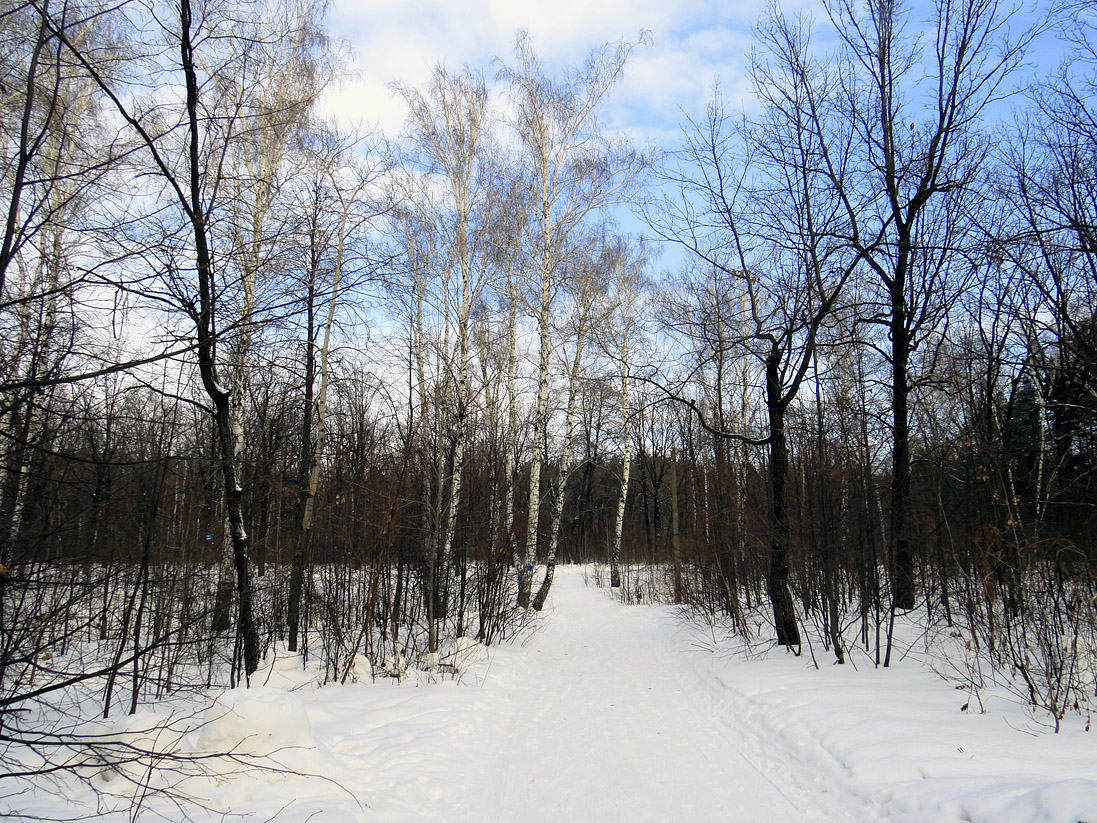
(616, 713)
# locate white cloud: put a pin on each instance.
(692, 42)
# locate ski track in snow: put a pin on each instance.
(609, 720)
(601, 714)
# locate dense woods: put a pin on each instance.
(270, 383)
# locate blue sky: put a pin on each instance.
(671, 78)
(692, 42)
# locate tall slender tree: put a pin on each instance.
(572, 170)
(910, 113)
(447, 186)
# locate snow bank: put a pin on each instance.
(128, 744)
(457, 657)
(256, 721)
(463, 653)
(911, 745)
(1074, 800)
(274, 758)
(282, 669)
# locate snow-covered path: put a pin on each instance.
(604, 713)
(609, 721)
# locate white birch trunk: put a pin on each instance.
(448, 131)
(559, 487)
(460, 434)
(626, 467)
(325, 373)
(556, 124)
(540, 427)
(33, 430)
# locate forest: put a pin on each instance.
(271, 381)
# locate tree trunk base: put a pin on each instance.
(525, 588)
(546, 584)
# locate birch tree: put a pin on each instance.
(52, 151)
(447, 186)
(499, 359)
(587, 284)
(39, 300)
(186, 134)
(276, 88)
(620, 332)
(572, 169)
(339, 209)
(54, 158)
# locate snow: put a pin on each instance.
(259, 721)
(603, 712)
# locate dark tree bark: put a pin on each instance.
(902, 558)
(207, 364)
(916, 150)
(186, 186)
(777, 579)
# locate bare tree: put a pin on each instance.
(450, 175)
(49, 153)
(571, 170)
(1052, 236)
(589, 271)
(624, 300)
(274, 90)
(910, 115)
(766, 229)
(186, 145)
(339, 208)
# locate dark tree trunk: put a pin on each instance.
(300, 547)
(675, 537)
(902, 559)
(246, 627)
(784, 611)
(296, 588)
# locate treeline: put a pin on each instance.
(266, 381)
